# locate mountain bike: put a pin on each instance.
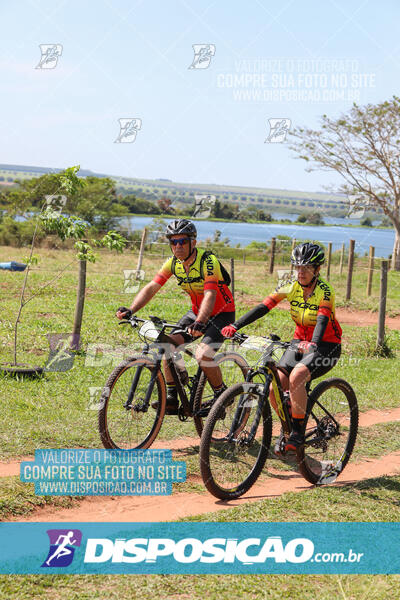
(237, 435)
(133, 400)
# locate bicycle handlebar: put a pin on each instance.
(272, 338)
(134, 322)
(237, 337)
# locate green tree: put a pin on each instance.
(315, 219)
(366, 222)
(139, 205)
(97, 203)
(65, 227)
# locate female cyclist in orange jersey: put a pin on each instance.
(317, 337)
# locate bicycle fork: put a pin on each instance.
(247, 401)
(142, 406)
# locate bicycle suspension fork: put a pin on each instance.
(149, 391)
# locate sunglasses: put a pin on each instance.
(180, 241)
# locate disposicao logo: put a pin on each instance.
(190, 550)
(63, 543)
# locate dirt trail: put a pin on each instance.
(364, 318)
(367, 419)
(176, 506)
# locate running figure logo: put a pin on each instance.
(128, 130)
(63, 543)
(56, 201)
(278, 130)
(61, 357)
(357, 205)
(203, 54)
(203, 205)
(50, 55)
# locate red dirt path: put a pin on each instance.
(371, 417)
(169, 508)
(176, 506)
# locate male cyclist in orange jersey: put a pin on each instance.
(201, 276)
(317, 337)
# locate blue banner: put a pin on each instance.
(192, 548)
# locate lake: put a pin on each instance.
(244, 233)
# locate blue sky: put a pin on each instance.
(124, 59)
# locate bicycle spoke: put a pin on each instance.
(128, 425)
(330, 431)
(230, 459)
(233, 368)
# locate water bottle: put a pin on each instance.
(180, 367)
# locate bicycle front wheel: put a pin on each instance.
(330, 431)
(233, 368)
(125, 423)
(235, 441)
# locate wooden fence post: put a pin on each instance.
(341, 259)
(80, 301)
(244, 258)
(141, 251)
(233, 277)
(382, 304)
(328, 265)
(293, 247)
(272, 257)
(350, 269)
(370, 269)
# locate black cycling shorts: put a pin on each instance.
(318, 362)
(212, 335)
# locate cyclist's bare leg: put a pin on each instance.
(297, 387)
(204, 356)
(178, 339)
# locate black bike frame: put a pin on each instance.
(186, 404)
(269, 371)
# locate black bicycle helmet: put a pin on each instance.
(308, 254)
(181, 226)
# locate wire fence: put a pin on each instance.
(271, 257)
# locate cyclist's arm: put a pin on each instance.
(206, 306)
(144, 296)
(323, 315)
(260, 310)
(151, 288)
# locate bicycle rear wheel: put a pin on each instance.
(235, 441)
(330, 431)
(233, 368)
(124, 425)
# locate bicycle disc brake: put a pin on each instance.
(244, 440)
(140, 405)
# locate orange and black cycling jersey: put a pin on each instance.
(305, 312)
(195, 283)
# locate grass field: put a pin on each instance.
(53, 412)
